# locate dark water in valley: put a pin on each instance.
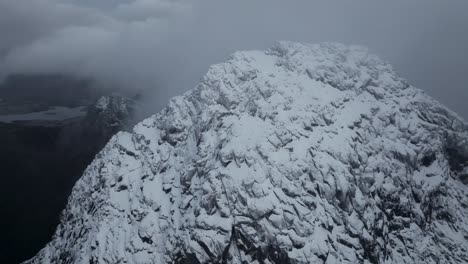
(36, 179)
(40, 161)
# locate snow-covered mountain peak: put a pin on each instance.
(298, 154)
(343, 67)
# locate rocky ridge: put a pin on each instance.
(298, 154)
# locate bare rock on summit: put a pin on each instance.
(297, 154)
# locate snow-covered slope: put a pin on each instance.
(298, 154)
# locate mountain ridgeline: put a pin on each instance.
(297, 154)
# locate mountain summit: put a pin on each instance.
(297, 154)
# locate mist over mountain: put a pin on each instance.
(163, 47)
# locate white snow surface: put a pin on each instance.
(297, 154)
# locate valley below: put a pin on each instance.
(47, 140)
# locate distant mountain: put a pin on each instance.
(298, 154)
(85, 137)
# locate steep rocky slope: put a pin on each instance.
(299, 154)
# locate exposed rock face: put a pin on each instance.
(112, 111)
(299, 154)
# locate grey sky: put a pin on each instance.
(166, 46)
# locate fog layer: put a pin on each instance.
(165, 46)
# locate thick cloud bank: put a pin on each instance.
(164, 46)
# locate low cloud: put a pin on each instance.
(165, 46)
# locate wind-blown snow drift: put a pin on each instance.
(299, 154)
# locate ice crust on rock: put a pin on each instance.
(297, 154)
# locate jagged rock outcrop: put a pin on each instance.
(112, 111)
(299, 154)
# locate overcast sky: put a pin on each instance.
(166, 46)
